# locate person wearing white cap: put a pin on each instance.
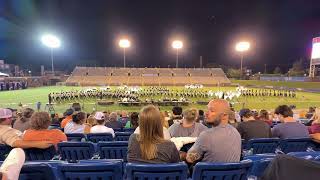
(100, 127)
(12, 137)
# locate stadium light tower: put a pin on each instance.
(124, 43)
(177, 45)
(52, 42)
(242, 47)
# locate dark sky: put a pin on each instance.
(280, 31)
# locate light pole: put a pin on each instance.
(242, 47)
(124, 43)
(52, 42)
(177, 45)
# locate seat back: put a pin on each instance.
(234, 171)
(306, 155)
(128, 130)
(33, 154)
(4, 151)
(37, 171)
(137, 171)
(113, 150)
(295, 144)
(122, 136)
(263, 145)
(78, 137)
(74, 151)
(117, 129)
(91, 170)
(96, 137)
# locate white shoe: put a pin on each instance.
(13, 163)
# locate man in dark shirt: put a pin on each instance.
(251, 128)
(113, 123)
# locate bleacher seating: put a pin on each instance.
(33, 154)
(89, 76)
(76, 137)
(96, 137)
(295, 144)
(37, 171)
(263, 145)
(113, 150)
(122, 136)
(236, 171)
(74, 151)
(91, 170)
(306, 155)
(4, 151)
(137, 171)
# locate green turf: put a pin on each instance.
(29, 97)
(307, 85)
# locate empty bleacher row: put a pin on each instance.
(87, 76)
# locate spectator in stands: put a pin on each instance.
(68, 117)
(123, 118)
(188, 127)
(310, 113)
(221, 143)
(150, 146)
(40, 121)
(177, 115)
(133, 123)
(11, 167)
(12, 137)
(251, 128)
(77, 125)
(113, 123)
(76, 106)
(23, 123)
(289, 128)
(201, 116)
(264, 116)
(100, 127)
(315, 126)
(232, 119)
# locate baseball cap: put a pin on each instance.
(69, 112)
(5, 113)
(99, 116)
(245, 112)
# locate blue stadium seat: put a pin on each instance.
(234, 171)
(4, 151)
(259, 166)
(37, 171)
(122, 136)
(76, 137)
(128, 130)
(295, 145)
(33, 154)
(306, 155)
(96, 137)
(74, 151)
(257, 157)
(263, 145)
(91, 170)
(113, 150)
(118, 129)
(176, 171)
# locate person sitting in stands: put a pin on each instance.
(176, 117)
(149, 146)
(100, 127)
(222, 142)
(13, 137)
(39, 131)
(289, 127)
(77, 124)
(113, 123)
(133, 123)
(251, 128)
(123, 118)
(315, 126)
(23, 123)
(264, 116)
(68, 117)
(188, 127)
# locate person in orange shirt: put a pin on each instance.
(39, 131)
(68, 118)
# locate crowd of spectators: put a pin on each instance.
(213, 136)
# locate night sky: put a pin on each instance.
(280, 32)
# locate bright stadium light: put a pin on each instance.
(124, 43)
(177, 45)
(52, 42)
(242, 47)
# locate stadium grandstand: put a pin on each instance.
(90, 76)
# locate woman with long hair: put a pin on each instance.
(149, 145)
(77, 125)
(23, 123)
